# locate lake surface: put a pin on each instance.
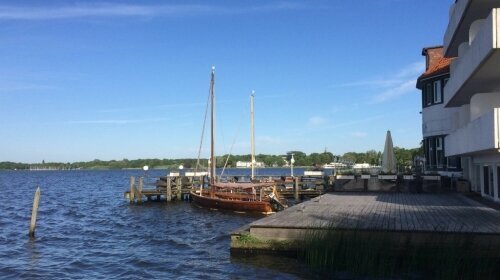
(86, 229)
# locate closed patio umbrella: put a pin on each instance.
(388, 157)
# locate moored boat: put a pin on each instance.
(240, 197)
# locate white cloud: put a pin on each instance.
(149, 108)
(316, 121)
(130, 10)
(400, 83)
(406, 80)
(394, 92)
(411, 70)
(374, 82)
(117, 122)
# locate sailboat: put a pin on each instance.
(240, 197)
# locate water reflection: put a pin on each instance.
(266, 263)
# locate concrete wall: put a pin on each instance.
(460, 117)
(482, 103)
(480, 134)
(456, 13)
(435, 120)
(496, 12)
(488, 158)
(465, 65)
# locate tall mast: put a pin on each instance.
(212, 127)
(252, 135)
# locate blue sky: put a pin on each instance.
(129, 79)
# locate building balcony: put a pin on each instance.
(462, 14)
(436, 120)
(475, 70)
(480, 135)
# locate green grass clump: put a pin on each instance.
(378, 254)
(246, 238)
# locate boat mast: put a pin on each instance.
(252, 135)
(212, 127)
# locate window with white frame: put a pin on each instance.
(437, 91)
(439, 152)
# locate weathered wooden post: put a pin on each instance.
(296, 189)
(179, 188)
(34, 212)
(169, 188)
(132, 187)
(191, 181)
(139, 190)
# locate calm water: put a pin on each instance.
(86, 229)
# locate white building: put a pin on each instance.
(469, 117)
(248, 164)
(438, 121)
(336, 165)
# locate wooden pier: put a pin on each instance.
(176, 187)
(400, 216)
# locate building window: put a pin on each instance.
(437, 91)
(428, 94)
(439, 152)
(431, 159)
(432, 92)
(454, 162)
(434, 153)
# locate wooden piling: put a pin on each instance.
(34, 212)
(139, 190)
(169, 189)
(296, 189)
(179, 188)
(132, 187)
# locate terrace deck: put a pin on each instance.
(399, 213)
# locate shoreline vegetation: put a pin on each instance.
(336, 252)
(403, 157)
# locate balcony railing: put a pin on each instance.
(476, 68)
(457, 11)
(481, 134)
(462, 14)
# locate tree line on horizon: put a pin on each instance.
(404, 157)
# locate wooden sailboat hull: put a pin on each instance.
(232, 204)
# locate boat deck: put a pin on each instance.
(387, 212)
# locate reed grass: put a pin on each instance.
(376, 254)
(247, 241)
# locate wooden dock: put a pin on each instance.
(169, 188)
(399, 214)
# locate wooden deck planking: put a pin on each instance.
(448, 221)
(424, 209)
(418, 220)
(389, 212)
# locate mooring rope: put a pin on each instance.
(232, 145)
(202, 133)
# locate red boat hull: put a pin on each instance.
(232, 204)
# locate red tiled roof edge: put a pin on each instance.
(439, 68)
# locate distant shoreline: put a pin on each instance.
(140, 168)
